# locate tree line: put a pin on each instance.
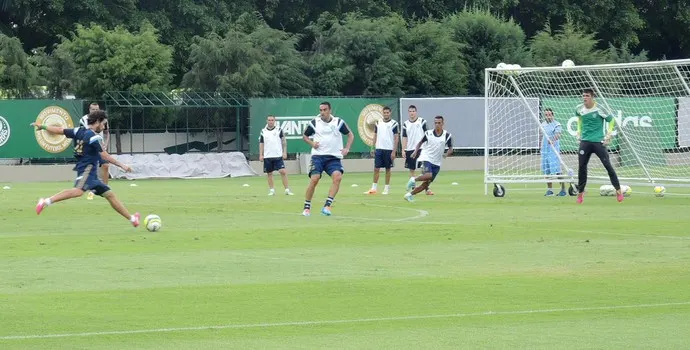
(316, 47)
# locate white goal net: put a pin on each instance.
(650, 103)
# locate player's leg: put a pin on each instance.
(378, 164)
(429, 172)
(268, 170)
(284, 178)
(545, 169)
(410, 163)
(584, 154)
(315, 170)
(387, 162)
(603, 155)
(334, 168)
(105, 172)
(80, 186)
(105, 192)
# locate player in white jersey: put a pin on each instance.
(434, 143)
(105, 135)
(386, 139)
(272, 151)
(325, 136)
(413, 130)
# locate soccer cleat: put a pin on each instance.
(385, 191)
(410, 184)
(326, 211)
(619, 196)
(272, 192)
(89, 196)
(371, 191)
(409, 197)
(548, 193)
(562, 193)
(580, 197)
(306, 212)
(135, 223)
(429, 193)
(40, 206)
(288, 192)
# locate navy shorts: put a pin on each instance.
(329, 164)
(433, 169)
(273, 164)
(87, 180)
(411, 163)
(382, 159)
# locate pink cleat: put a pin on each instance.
(135, 222)
(429, 193)
(619, 196)
(580, 197)
(40, 206)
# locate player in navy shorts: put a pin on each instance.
(87, 146)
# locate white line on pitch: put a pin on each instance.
(346, 321)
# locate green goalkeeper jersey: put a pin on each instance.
(593, 123)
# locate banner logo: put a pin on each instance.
(4, 131)
(368, 117)
(293, 127)
(53, 116)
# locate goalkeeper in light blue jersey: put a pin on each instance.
(550, 149)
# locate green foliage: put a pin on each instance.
(252, 59)
(357, 55)
(17, 72)
(118, 60)
(435, 63)
(487, 40)
(550, 49)
(56, 70)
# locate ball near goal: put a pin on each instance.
(659, 191)
(648, 101)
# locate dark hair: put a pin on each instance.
(548, 110)
(96, 117)
(386, 108)
(270, 116)
(439, 117)
(588, 91)
(412, 107)
(95, 104)
(326, 103)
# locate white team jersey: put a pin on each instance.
(273, 143)
(84, 121)
(329, 135)
(385, 134)
(414, 131)
(435, 146)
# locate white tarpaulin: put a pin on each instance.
(189, 165)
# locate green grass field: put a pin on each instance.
(236, 269)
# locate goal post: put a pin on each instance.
(650, 103)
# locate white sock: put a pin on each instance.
(386, 187)
(272, 189)
(132, 218)
(287, 190)
(48, 202)
(374, 186)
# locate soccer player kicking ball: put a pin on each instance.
(324, 135)
(386, 139)
(591, 123)
(434, 142)
(87, 142)
(272, 151)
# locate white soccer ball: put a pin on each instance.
(627, 190)
(153, 223)
(607, 190)
(568, 63)
(659, 191)
(501, 65)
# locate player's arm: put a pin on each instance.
(376, 135)
(308, 132)
(283, 142)
(404, 141)
(58, 130)
(106, 132)
(396, 139)
(106, 156)
(557, 133)
(261, 147)
(345, 130)
(449, 144)
(579, 126)
(610, 129)
(419, 145)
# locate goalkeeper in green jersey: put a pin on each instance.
(594, 130)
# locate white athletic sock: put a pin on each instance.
(132, 218)
(48, 202)
(387, 187)
(374, 186)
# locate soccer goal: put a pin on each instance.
(650, 102)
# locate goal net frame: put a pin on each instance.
(611, 83)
